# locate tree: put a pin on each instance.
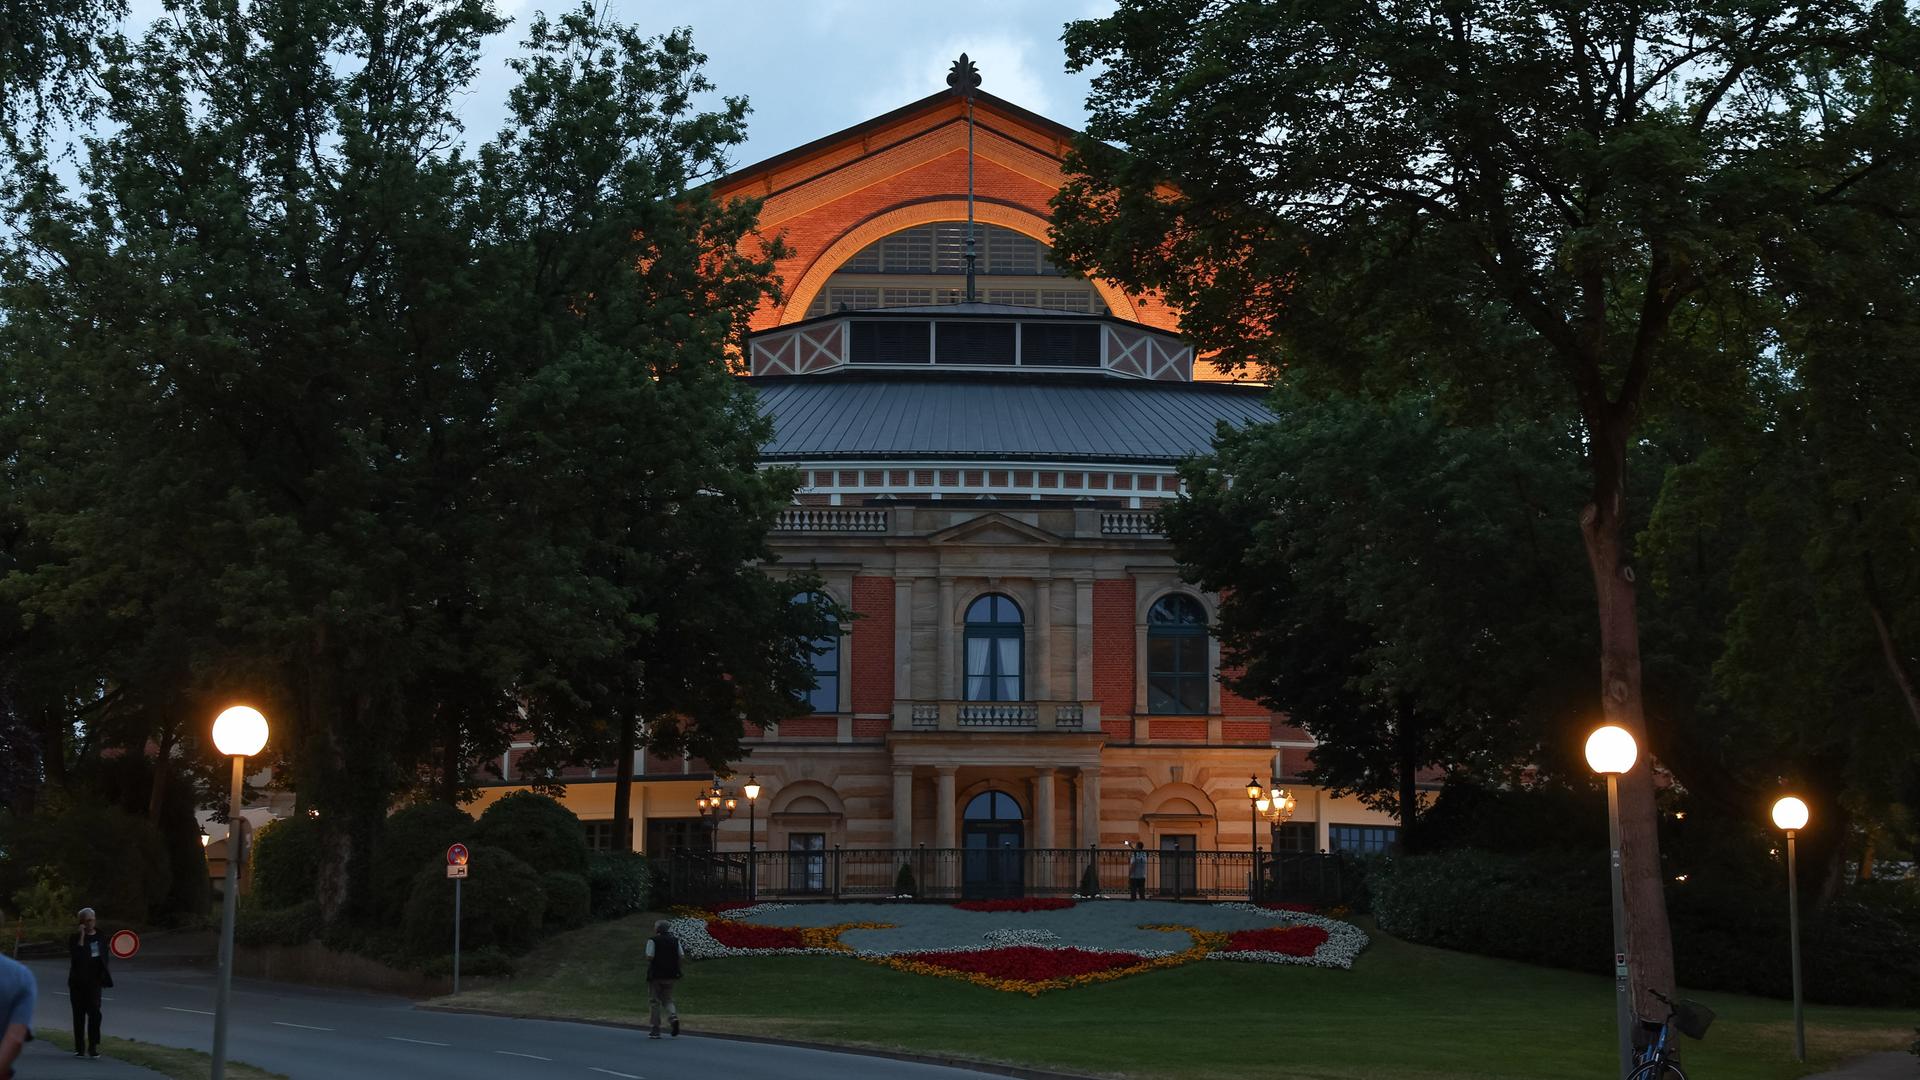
(1526, 206)
(1399, 587)
(46, 50)
(397, 441)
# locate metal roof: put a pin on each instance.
(927, 416)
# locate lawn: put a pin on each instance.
(169, 1061)
(1404, 1011)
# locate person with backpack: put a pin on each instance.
(663, 970)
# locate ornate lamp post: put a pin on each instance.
(1256, 791)
(1273, 805)
(716, 804)
(239, 733)
(1610, 752)
(752, 792)
(1790, 814)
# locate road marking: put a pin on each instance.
(196, 1012)
(610, 1072)
(422, 1042)
(516, 1053)
(303, 1027)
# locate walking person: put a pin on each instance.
(87, 975)
(1137, 873)
(17, 992)
(663, 970)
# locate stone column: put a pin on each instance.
(1043, 834)
(1041, 686)
(902, 639)
(903, 806)
(1083, 640)
(946, 683)
(943, 809)
(1089, 806)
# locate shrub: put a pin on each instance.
(474, 963)
(410, 838)
(502, 904)
(569, 901)
(903, 881)
(284, 863)
(1090, 881)
(258, 924)
(113, 861)
(1548, 908)
(538, 830)
(618, 883)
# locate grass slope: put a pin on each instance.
(1405, 1012)
(168, 1060)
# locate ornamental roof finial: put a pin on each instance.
(964, 76)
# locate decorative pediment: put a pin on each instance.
(993, 530)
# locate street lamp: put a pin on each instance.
(1610, 752)
(714, 804)
(1275, 807)
(752, 792)
(1256, 793)
(1790, 814)
(239, 733)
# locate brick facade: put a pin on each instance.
(872, 642)
(1113, 646)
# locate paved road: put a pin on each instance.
(316, 1034)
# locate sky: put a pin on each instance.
(812, 67)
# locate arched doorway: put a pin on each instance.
(993, 833)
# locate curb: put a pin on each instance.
(997, 1069)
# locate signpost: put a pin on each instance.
(457, 870)
(123, 944)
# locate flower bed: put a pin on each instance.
(1093, 944)
(1017, 903)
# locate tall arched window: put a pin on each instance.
(995, 646)
(825, 695)
(1176, 656)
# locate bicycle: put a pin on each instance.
(1659, 1058)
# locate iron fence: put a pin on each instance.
(945, 874)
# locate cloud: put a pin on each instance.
(1010, 68)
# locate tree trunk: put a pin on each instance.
(623, 783)
(1889, 648)
(1407, 745)
(1649, 941)
(450, 761)
(162, 765)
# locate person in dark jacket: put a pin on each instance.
(87, 975)
(663, 970)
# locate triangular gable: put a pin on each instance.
(993, 529)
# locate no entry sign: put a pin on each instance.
(457, 855)
(124, 944)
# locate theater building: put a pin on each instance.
(1027, 669)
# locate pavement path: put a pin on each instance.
(44, 1061)
(1889, 1066)
(310, 1033)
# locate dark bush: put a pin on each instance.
(114, 862)
(903, 881)
(1090, 881)
(619, 884)
(1553, 909)
(284, 863)
(292, 925)
(541, 832)
(474, 963)
(502, 904)
(569, 900)
(410, 838)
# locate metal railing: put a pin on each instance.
(823, 520)
(996, 715)
(947, 874)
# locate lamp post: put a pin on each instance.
(1256, 793)
(1275, 806)
(752, 792)
(239, 733)
(1610, 752)
(1790, 814)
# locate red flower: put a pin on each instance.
(739, 935)
(1025, 963)
(1288, 940)
(1025, 903)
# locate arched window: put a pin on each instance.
(995, 644)
(825, 695)
(1176, 656)
(992, 806)
(926, 264)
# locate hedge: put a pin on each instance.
(569, 901)
(257, 924)
(411, 838)
(537, 829)
(115, 862)
(284, 863)
(502, 904)
(618, 883)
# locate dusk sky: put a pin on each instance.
(812, 67)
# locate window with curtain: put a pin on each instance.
(1176, 656)
(825, 695)
(994, 642)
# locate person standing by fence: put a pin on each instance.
(87, 975)
(663, 970)
(1137, 873)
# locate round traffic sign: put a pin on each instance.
(124, 944)
(457, 855)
